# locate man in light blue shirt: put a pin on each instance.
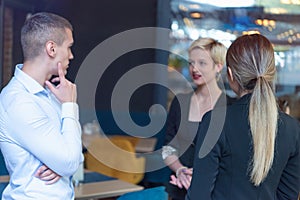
(39, 127)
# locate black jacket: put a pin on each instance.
(224, 172)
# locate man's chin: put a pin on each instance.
(65, 70)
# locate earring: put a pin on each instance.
(218, 76)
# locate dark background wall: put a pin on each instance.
(94, 21)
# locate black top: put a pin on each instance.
(182, 134)
(224, 172)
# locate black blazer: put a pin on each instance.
(224, 172)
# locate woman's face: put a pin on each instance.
(202, 67)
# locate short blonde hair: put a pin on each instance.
(216, 49)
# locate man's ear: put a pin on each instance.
(229, 74)
(51, 48)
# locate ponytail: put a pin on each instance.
(251, 59)
(263, 124)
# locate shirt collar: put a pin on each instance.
(29, 83)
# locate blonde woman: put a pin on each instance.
(258, 153)
(206, 60)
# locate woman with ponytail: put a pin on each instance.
(257, 154)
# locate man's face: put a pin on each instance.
(64, 52)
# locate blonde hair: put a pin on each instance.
(251, 59)
(217, 50)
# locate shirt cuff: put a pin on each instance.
(168, 151)
(70, 110)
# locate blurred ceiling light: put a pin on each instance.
(259, 22)
(196, 15)
(292, 2)
(250, 32)
(174, 25)
(286, 34)
(195, 6)
(183, 8)
(269, 23)
(228, 3)
(276, 10)
(265, 22)
(285, 1)
(194, 34)
(224, 37)
(272, 23)
(188, 22)
(178, 34)
(181, 32)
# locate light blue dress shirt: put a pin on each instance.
(36, 129)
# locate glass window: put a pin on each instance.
(223, 21)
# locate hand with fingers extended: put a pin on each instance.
(183, 178)
(65, 91)
(46, 174)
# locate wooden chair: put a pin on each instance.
(115, 157)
